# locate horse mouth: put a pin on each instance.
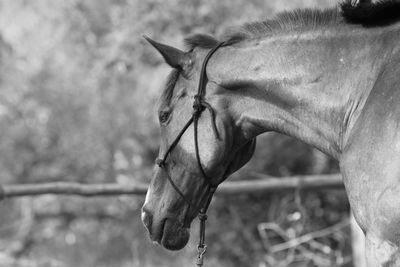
(172, 235)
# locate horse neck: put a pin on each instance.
(311, 86)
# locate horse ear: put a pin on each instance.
(174, 57)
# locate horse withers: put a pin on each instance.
(326, 77)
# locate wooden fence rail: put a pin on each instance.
(269, 184)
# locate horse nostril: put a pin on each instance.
(147, 219)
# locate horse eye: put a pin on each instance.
(163, 116)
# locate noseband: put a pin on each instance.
(199, 105)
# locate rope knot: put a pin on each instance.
(160, 162)
(202, 216)
(198, 106)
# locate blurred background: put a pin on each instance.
(77, 103)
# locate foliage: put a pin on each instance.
(78, 90)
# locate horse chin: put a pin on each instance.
(175, 236)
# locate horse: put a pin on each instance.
(330, 78)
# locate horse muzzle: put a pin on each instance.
(168, 232)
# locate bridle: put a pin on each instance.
(199, 105)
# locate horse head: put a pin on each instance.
(201, 146)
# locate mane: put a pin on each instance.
(362, 12)
(381, 13)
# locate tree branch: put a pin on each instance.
(332, 181)
(310, 236)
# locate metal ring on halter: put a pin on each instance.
(200, 255)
